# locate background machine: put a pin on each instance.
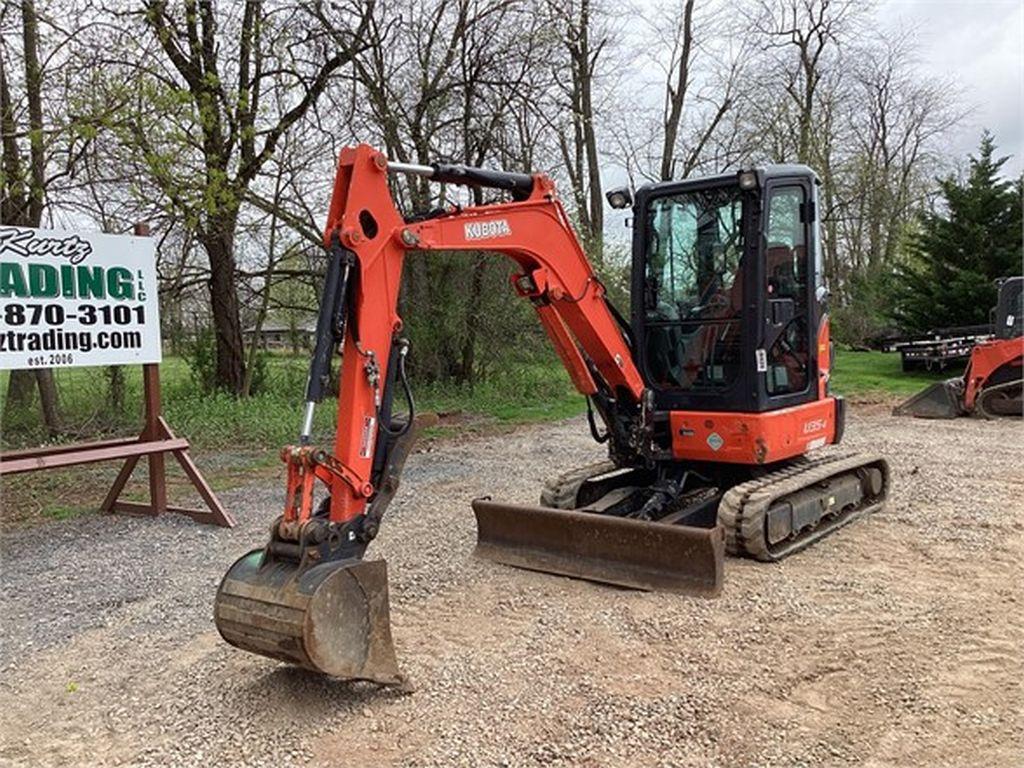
(993, 382)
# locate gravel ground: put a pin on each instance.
(898, 641)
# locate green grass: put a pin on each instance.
(521, 392)
(61, 512)
(864, 374)
(238, 440)
(524, 392)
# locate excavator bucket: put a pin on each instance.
(604, 548)
(331, 618)
(941, 400)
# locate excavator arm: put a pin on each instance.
(368, 241)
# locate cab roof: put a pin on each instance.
(764, 173)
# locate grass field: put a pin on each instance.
(237, 439)
(867, 374)
(525, 392)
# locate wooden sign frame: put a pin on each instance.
(155, 442)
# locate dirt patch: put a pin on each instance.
(898, 641)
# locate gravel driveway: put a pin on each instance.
(898, 641)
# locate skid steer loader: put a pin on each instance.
(993, 383)
(709, 399)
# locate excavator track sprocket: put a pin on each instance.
(773, 516)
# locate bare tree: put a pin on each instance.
(585, 39)
(43, 143)
(211, 119)
(701, 55)
(451, 81)
(808, 30)
(898, 119)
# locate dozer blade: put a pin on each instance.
(602, 548)
(941, 400)
(330, 618)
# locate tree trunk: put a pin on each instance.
(474, 315)
(676, 96)
(268, 276)
(595, 235)
(27, 213)
(219, 246)
(19, 393)
(115, 388)
(48, 400)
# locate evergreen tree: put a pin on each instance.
(957, 252)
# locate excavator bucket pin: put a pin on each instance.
(331, 618)
(602, 548)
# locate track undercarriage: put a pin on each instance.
(765, 513)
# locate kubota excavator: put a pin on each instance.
(709, 401)
(993, 382)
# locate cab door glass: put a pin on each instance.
(786, 261)
(693, 290)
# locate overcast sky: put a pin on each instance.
(979, 44)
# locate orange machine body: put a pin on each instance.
(753, 438)
(986, 358)
(559, 281)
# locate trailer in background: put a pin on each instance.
(939, 349)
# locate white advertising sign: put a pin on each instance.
(70, 299)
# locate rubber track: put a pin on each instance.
(987, 392)
(560, 492)
(742, 509)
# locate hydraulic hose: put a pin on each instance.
(404, 379)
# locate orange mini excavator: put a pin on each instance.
(709, 399)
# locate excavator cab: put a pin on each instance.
(728, 297)
(729, 333)
(1008, 321)
(707, 400)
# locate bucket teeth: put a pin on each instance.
(603, 548)
(331, 618)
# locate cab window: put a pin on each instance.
(693, 289)
(786, 261)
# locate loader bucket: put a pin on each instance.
(941, 400)
(330, 618)
(602, 548)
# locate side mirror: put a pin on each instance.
(620, 197)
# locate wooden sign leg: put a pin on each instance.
(122, 480)
(157, 431)
(157, 467)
